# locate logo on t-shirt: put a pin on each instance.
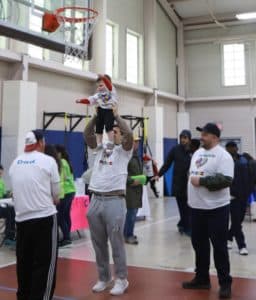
(201, 161)
(26, 162)
(105, 97)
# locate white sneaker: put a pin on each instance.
(243, 251)
(101, 286)
(230, 245)
(120, 286)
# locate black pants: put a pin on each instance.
(237, 213)
(7, 212)
(152, 185)
(211, 225)
(185, 215)
(105, 117)
(36, 251)
(64, 219)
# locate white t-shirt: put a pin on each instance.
(31, 176)
(110, 173)
(209, 163)
(105, 100)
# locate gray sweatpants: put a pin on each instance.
(106, 217)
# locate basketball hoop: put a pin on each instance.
(77, 30)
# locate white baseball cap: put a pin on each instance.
(30, 138)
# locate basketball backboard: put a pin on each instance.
(22, 20)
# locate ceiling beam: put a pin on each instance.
(170, 12)
(207, 19)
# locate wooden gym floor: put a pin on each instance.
(76, 277)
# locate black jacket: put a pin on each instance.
(181, 158)
(134, 193)
(241, 186)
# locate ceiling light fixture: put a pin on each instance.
(246, 16)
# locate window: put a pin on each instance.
(234, 64)
(133, 57)
(112, 49)
(35, 23)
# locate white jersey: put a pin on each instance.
(110, 173)
(209, 163)
(32, 174)
(105, 100)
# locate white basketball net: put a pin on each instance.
(77, 35)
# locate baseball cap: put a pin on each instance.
(32, 138)
(211, 128)
(186, 132)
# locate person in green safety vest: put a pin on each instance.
(67, 183)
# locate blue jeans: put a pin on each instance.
(64, 220)
(130, 222)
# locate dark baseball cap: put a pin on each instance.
(186, 133)
(211, 128)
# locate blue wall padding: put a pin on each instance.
(168, 145)
(74, 143)
(0, 142)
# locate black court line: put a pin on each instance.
(7, 289)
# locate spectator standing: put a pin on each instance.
(210, 177)
(133, 197)
(240, 191)
(35, 185)
(64, 206)
(180, 155)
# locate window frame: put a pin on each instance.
(140, 56)
(223, 66)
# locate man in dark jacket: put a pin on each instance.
(133, 195)
(180, 155)
(240, 190)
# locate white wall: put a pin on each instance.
(58, 92)
(236, 117)
(128, 15)
(169, 117)
(204, 61)
(204, 83)
(166, 53)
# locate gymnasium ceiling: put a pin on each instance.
(199, 12)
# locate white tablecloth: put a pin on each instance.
(5, 201)
(145, 210)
